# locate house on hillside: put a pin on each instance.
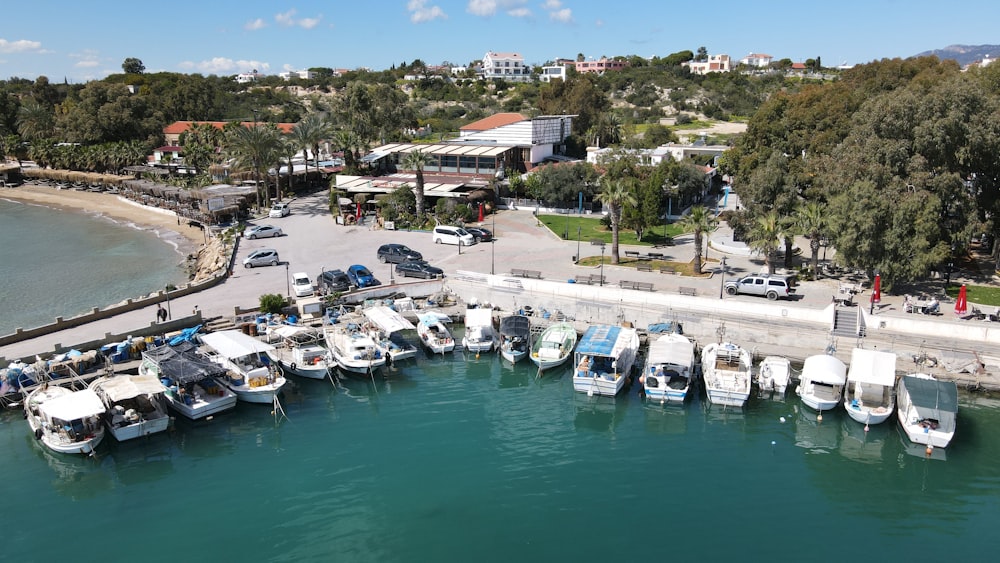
(300, 74)
(553, 72)
(757, 60)
(172, 133)
(600, 66)
(505, 66)
(715, 63)
(246, 77)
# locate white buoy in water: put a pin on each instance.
(590, 392)
(773, 442)
(781, 419)
(819, 417)
(866, 428)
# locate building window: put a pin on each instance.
(467, 164)
(449, 163)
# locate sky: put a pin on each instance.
(82, 41)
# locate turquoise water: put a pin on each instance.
(457, 459)
(62, 263)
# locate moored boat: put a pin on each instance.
(299, 351)
(669, 368)
(515, 337)
(870, 394)
(135, 405)
(604, 359)
(387, 332)
(193, 390)
(250, 373)
(64, 420)
(433, 332)
(821, 385)
(353, 349)
(554, 346)
(773, 375)
(479, 334)
(727, 370)
(927, 409)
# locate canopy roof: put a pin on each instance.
(431, 318)
(478, 317)
(182, 363)
(931, 393)
(872, 366)
(234, 344)
(671, 348)
(387, 319)
(122, 387)
(605, 340)
(73, 406)
(515, 325)
(824, 368)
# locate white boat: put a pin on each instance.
(64, 420)
(773, 375)
(515, 338)
(927, 409)
(554, 346)
(353, 349)
(604, 359)
(821, 385)
(193, 390)
(250, 373)
(870, 395)
(135, 405)
(387, 333)
(669, 368)
(299, 350)
(479, 334)
(728, 373)
(433, 332)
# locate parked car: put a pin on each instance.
(480, 234)
(418, 269)
(766, 285)
(333, 280)
(396, 253)
(279, 209)
(444, 234)
(261, 257)
(301, 284)
(263, 231)
(361, 276)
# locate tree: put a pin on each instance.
(308, 134)
(35, 121)
(615, 195)
(699, 221)
(812, 223)
(648, 194)
(416, 161)
(765, 233)
(133, 65)
(702, 55)
(255, 148)
(562, 182)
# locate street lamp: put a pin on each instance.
(599, 242)
(722, 283)
(288, 283)
(493, 241)
(578, 243)
(166, 291)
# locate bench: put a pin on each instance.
(632, 253)
(526, 273)
(597, 278)
(645, 286)
(582, 279)
(626, 284)
(655, 255)
(687, 291)
(667, 270)
(643, 267)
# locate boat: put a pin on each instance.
(353, 350)
(927, 409)
(479, 334)
(433, 332)
(554, 346)
(604, 359)
(773, 375)
(193, 390)
(387, 327)
(299, 350)
(250, 373)
(669, 368)
(728, 373)
(65, 421)
(515, 338)
(870, 395)
(821, 385)
(135, 405)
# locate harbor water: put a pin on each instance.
(60, 262)
(453, 458)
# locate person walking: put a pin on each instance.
(161, 313)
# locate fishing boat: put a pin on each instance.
(299, 350)
(773, 375)
(353, 350)
(604, 359)
(927, 409)
(479, 334)
(870, 395)
(669, 368)
(515, 338)
(433, 332)
(554, 346)
(728, 373)
(135, 405)
(250, 373)
(64, 420)
(387, 331)
(821, 385)
(191, 379)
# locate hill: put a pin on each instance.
(964, 54)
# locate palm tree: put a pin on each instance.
(347, 141)
(308, 134)
(35, 121)
(255, 148)
(811, 219)
(765, 235)
(416, 161)
(698, 220)
(615, 195)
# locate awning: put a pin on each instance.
(478, 317)
(824, 368)
(388, 320)
(932, 394)
(515, 325)
(182, 363)
(73, 406)
(673, 349)
(872, 366)
(122, 387)
(234, 344)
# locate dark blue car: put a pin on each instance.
(361, 276)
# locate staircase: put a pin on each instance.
(219, 323)
(845, 322)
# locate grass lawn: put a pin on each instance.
(565, 226)
(980, 294)
(682, 268)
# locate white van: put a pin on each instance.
(444, 234)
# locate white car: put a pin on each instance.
(263, 231)
(279, 210)
(301, 284)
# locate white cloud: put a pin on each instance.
(309, 23)
(552, 5)
(224, 65)
(420, 12)
(564, 16)
(286, 19)
(519, 13)
(482, 7)
(254, 25)
(88, 63)
(488, 8)
(19, 46)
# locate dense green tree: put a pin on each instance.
(132, 65)
(812, 223)
(35, 121)
(615, 195)
(698, 221)
(561, 183)
(765, 234)
(255, 149)
(416, 161)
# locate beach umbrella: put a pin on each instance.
(480, 212)
(877, 289)
(962, 303)
(358, 214)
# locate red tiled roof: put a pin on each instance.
(179, 127)
(169, 149)
(493, 121)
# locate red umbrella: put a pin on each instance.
(877, 290)
(358, 214)
(962, 303)
(480, 212)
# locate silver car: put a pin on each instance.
(261, 257)
(263, 231)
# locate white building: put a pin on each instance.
(300, 74)
(506, 66)
(715, 63)
(246, 77)
(554, 72)
(653, 157)
(758, 60)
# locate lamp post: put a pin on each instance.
(722, 283)
(602, 264)
(166, 291)
(578, 243)
(288, 284)
(493, 241)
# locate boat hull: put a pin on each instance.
(546, 363)
(263, 395)
(477, 346)
(312, 372)
(513, 357)
(202, 404)
(669, 395)
(727, 398)
(607, 385)
(919, 434)
(818, 403)
(140, 429)
(876, 415)
(82, 447)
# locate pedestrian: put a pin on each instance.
(161, 313)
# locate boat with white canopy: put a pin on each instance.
(821, 385)
(299, 350)
(387, 333)
(250, 372)
(479, 334)
(604, 359)
(669, 368)
(64, 420)
(135, 405)
(870, 395)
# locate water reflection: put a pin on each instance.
(818, 436)
(665, 418)
(864, 447)
(75, 476)
(599, 414)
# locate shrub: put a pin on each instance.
(271, 303)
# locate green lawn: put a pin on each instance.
(565, 226)
(979, 294)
